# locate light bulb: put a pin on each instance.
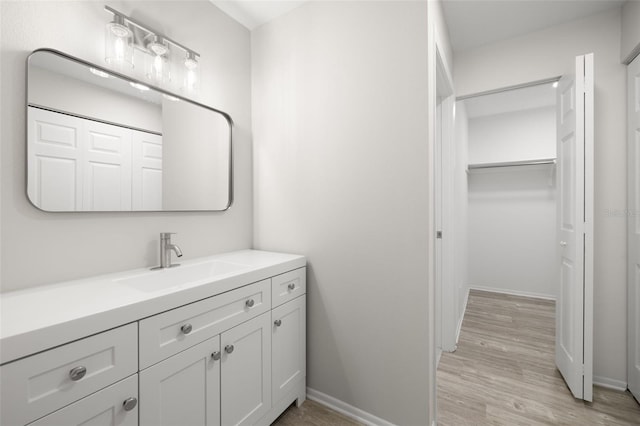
(191, 73)
(118, 45)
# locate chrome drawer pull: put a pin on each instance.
(291, 286)
(229, 348)
(130, 403)
(277, 323)
(77, 373)
(250, 303)
(216, 356)
(186, 329)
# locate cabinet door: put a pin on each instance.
(112, 406)
(246, 371)
(183, 390)
(288, 344)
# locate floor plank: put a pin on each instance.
(312, 413)
(503, 371)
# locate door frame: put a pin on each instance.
(446, 288)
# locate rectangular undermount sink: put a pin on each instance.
(154, 280)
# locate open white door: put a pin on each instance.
(633, 228)
(574, 306)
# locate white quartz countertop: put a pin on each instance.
(38, 318)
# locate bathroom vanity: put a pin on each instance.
(219, 340)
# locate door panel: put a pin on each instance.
(147, 171)
(183, 389)
(55, 167)
(107, 174)
(288, 347)
(246, 371)
(633, 309)
(574, 307)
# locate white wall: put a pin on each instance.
(512, 212)
(521, 135)
(38, 247)
(550, 53)
(340, 109)
(630, 42)
(195, 158)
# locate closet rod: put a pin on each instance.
(512, 163)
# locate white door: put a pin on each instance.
(246, 371)
(146, 170)
(183, 389)
(288, 344)
(55, 157)
(116, 405)
(574, 307)
(107, 168)
(633, 275)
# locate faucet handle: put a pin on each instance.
(165, 235)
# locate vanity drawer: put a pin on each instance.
(173, 331)
(42, 383)
(288, 286)
(116, 405)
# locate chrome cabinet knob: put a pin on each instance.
(277, 323)
(216, 356)
(563, 243)
(229, 348)
(77, 373)
(186, 329)
(291, 286)
(130, 403)
(250, 303)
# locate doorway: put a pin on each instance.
(518, 203)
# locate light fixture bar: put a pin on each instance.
(134, 25)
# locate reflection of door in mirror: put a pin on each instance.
(77, 164)
(97, 141)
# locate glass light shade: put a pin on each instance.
(118, 44)
(157, 63)
(191, 72)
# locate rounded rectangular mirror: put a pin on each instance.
(99, 141)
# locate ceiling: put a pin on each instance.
(473, 23)
(253, 13)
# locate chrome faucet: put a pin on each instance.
(165, 251)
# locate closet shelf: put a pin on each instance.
(537, 162)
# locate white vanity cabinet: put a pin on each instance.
(225, 352)
(40, 384)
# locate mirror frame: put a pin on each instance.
(116, 74)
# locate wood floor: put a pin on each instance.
(312, 413)
(503, 372)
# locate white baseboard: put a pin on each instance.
(606, 382)
(514, 292)
(464, 309)
(346, 409)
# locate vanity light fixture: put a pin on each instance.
(167, 63)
